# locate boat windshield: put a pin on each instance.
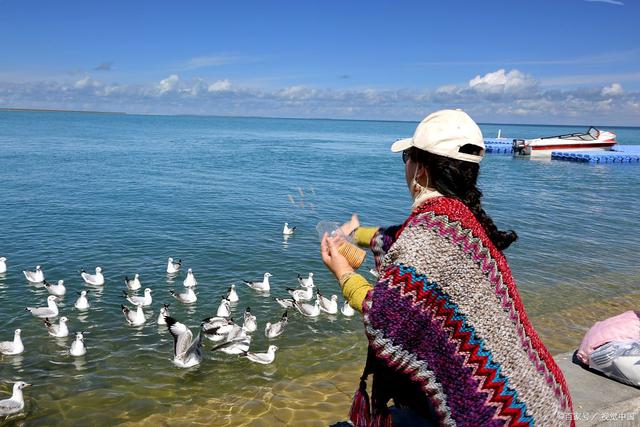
(590, 135)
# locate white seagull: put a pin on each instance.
(263, 358)
(77, 346)
(3, 264)
(10, 348)
(134, 318)
(276, 329)
(237, 345)
(190, 281)
(34, 276)
(188, 297)
(14, 404)
(50, 311)
(93, 279)
(60, 330)
(224, 309)
(57, 289)
(308, 309)
(232, 295)
(250, 324)
(328, 305)
(187, 351)
(304, 294)
(82, 303)
(288, 231)
(347, 310)
(133, 284)
(164, 312)
(219, 328)
(285, 302)
(144, 301)
(306, 281)
(260, 286)
(173, 267)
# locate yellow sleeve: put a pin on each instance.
(355, 289)
(363, 235)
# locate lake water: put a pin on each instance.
(126, 192)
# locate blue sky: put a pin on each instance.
(569, 61)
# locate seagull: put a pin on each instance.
(219, 328)
(82, 303)
(328, 305)
(14, 404)
(288, 231)
(59, 331)
(56, 289)
(133, 284)
(142, 301)
(237, 345)
(50, 311)
(260, 286)
(224, 309)
(285, 302)
(190, 281)
(77, 346)
(232, 295)
(306, 281)
(34, 276)
(10, 348)
(164, 312)
(347, 310)
(173, 267)
(133, 318)
(3, 264)
(187, 351)
(304, 294)
(93, 279)
(263, 358)
(188, 297)
(308, 309)
(249, 323)
(276, 329)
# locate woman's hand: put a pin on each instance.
(348, 227)
(333, 259)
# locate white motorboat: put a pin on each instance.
(592, 140)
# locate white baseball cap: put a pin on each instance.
(444, 133)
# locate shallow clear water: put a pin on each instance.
(126, 192)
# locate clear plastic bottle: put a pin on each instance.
(354, 255)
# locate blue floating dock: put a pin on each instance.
(620, 154)
(498, 145)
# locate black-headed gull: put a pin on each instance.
(173, 267)
(232, 295)
(306, 281)
(187, 351)
(57, 289)
(260, 286)
(77, 346)
(50, 311)
(189, 281)
(144, 301)
(263, 358)
(285, 302)
(308, 309)
(10, 348)
(34, 276)
(237, 345)
(82, 303)
(218, 328)
(3, 264)
(15, 403)
(304, 294)
(224, 309)
(250, 322)
(276, 329)
(96, 279)
(347, 310)
(134, 318)
(328, 305)
(187, 297)
(288, 231)
(133, 284)
(164, 312)
(60, 330)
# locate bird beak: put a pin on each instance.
(27, 385)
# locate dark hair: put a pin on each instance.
(457, 179)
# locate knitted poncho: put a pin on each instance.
(448, 334)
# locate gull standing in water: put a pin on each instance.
(93, 279)
(285, 302)
(3, 264)
(133, 284)
(260, 286)
(50, 311)
(82, 303)
(143, 301)
(347, 310)
(328, 305)
(263, 358)
(60, 330)
(250, 322)
(232, 295)
(173, 267)
(308, 309)
(187, 351)
(77, 346)
(11, 348)
(224, 309)
(15, 403)
(188, 297)
(306, 281)
(276, 329)
(288, 231)
(164, 312)
(34, 276)
(57, 289)
(134, 318)
(190, 281)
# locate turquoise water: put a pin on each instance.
(126, 192)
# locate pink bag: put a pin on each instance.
(623, 327)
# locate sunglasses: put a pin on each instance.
(405, 156)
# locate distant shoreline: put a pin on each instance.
(42, 110)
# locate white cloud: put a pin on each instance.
(168, 84)
(615, 2)
(220, 86)
(86, 82)
(501, 82)
(209, 61)
(614, 90)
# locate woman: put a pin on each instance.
(449, 339)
